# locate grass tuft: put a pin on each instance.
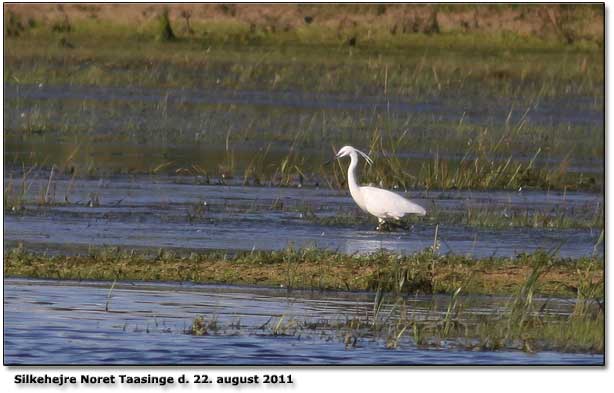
(164, 31)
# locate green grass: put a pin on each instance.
(522, 323)
(473, 158)
(454, 330)
(103, 53)
(480, 167)
(424, 272)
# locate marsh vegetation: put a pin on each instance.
(186, 144)
(424, 272)
(533, 113)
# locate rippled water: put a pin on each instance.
(52, 322)
(162, 212)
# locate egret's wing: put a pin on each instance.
(386, 204)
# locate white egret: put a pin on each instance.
(383, 204)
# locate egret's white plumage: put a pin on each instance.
(383, 204)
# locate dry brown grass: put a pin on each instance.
(542, 20)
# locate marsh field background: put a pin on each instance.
(166, 197)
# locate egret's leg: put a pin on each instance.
(381, 225)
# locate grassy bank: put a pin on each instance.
(424, 272)
(341, 52)
(568, 23)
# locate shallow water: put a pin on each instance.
(545, 112)
(126, 130)
(65, 322)
(110, 130)
(158, 212)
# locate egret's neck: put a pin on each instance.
(353, 181)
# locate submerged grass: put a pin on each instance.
(400, 328)
(481, 216)
(524, 323)
(424, 272)
(30, 191)
(288, 148)
(496, 217)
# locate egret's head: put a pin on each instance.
(348, 150)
